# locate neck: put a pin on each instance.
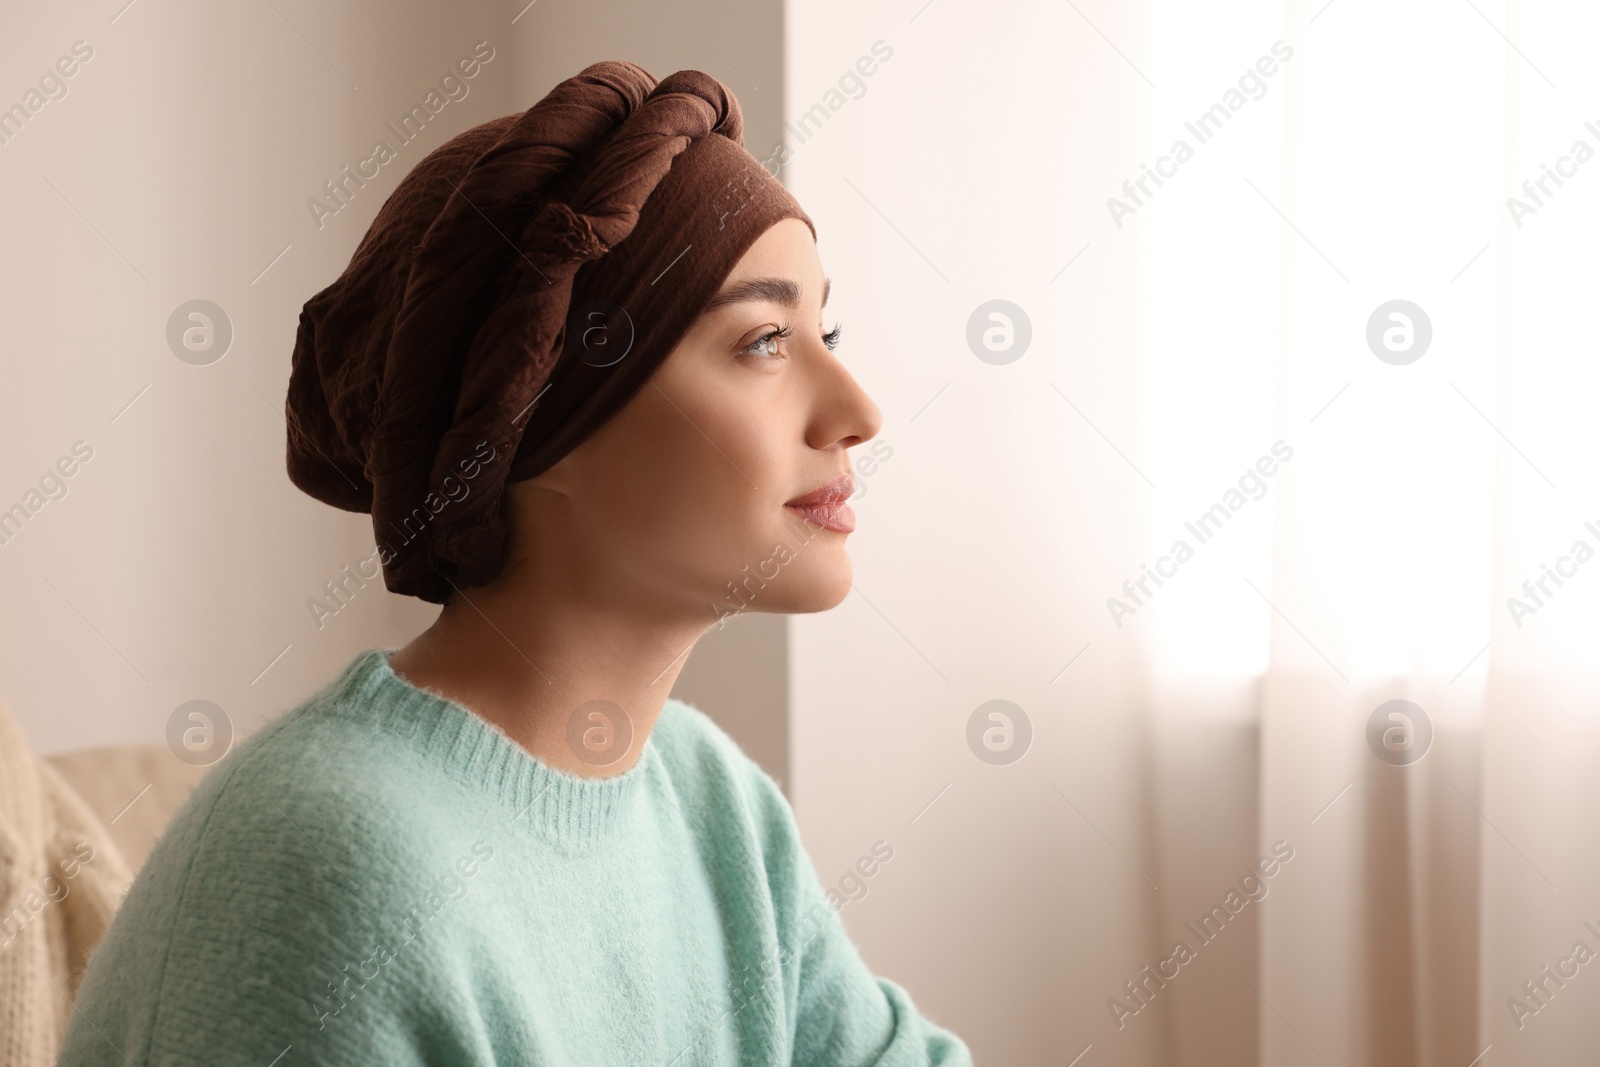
(572, 678)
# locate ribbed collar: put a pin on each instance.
(567, 809)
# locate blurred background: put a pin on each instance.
(1225, 576)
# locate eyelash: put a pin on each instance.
(830, 340)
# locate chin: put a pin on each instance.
(821, 582)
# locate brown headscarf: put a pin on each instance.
(518, 287)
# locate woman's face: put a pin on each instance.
(681, 496)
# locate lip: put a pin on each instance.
(828, 505)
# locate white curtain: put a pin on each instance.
(1334, 389)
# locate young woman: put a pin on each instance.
(578, 373)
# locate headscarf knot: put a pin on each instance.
(560, 231)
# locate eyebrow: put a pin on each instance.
(779, 291)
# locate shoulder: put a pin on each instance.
(313, 813)
(306, 826)
(317, 771)
(720, 780)
(697, 749)
(286, 867)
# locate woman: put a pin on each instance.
(577, 373)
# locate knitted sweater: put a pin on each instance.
(61, 879)
(383, 877)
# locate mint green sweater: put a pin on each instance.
(383, 877)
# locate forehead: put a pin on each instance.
(784, 248)
(781, 267)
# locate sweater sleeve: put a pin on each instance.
(843, 1014)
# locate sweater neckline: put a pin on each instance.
(568, 809)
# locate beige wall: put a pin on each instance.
(951, 179)
(178, 165)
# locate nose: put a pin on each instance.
(842, 414)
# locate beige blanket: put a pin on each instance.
(61, 879)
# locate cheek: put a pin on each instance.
(680, 468)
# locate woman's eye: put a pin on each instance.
(766, 346)
(831, 338)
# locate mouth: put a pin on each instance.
(827, 506)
